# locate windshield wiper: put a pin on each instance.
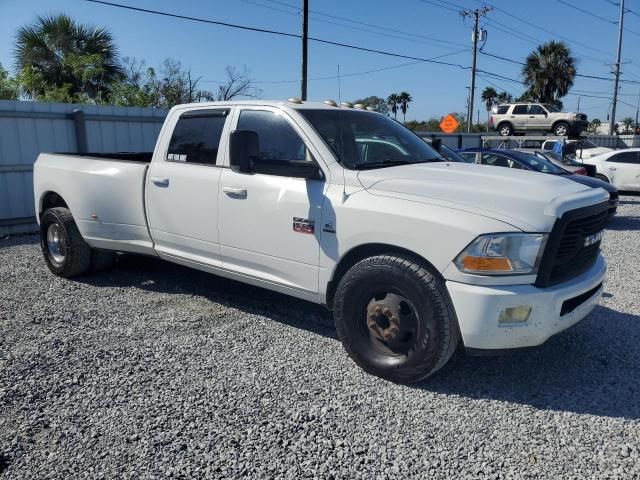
(391, 163)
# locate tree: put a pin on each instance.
(378, 104)
(628, 123)
(504, 97)
(238, 84)
(58, 58)
(489, 95)
(404, 99)
(594, 125)
(549, 72)
(393, 101)
(9, 88)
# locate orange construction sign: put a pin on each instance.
(449, 124)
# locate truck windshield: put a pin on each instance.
(364, 140)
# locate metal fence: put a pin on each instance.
(473, 140)
(29, 128)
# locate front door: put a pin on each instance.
(270, 225)
(182, 187)
(538, 118)
(623, 169)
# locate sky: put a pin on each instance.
(423, 29)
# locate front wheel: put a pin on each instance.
(599, 176)
(561, 129)
(395, 318)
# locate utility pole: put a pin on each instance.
(617, 71)
(305, 41)
(578, 110)
(637, 108)
(476, 14)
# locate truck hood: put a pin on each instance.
(526, 200)
(592, 152)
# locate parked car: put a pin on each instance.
(620, 168)
(583, 148)
(446, 152)
(564, 162)
(413, 254)
(511, 118)
(527, 161)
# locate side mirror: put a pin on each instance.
(436, 144)
(244, 149)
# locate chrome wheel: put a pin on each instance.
(505, 130)
(561, 130)
(56, 243)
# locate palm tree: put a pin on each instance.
(393, 101)
(594, 125)
(549, 72)
(628, 125)
(504, 97)
(488, 96)
(56, 52)
(404, 99)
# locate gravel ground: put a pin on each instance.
(152, 370)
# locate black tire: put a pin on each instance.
(505, 129)
(75, 252)
(102, 259)
(561, 129)
(426, 335)
(599, 176)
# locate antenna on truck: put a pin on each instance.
(344, 181)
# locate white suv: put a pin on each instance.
(526, 117)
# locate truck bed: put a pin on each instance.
(142, 157)
(105, 192)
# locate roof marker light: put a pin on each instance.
(294, 100)
(346, 104)
(331, 103)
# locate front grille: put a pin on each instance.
(566, 255)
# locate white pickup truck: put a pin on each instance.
(346, 208)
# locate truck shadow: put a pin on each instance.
(155, 275)
(626, 223)
(588, 369)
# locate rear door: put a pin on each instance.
(623, 169)
(182, 186)
(270, 225)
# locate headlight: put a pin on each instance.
(503, 254)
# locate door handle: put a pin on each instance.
(612, 168)
(531, 116)
(159, 181)
(235, 192)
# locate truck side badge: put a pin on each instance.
(329, 227)
(303, 225)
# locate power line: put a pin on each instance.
(422, 39)
(371, 25)
(593, 77)
(587, 12)
(275, 32)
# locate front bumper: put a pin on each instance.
(553, 309)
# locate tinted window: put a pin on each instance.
(536, 110)
(196, 137)
(278, 140)
(625, 157)
(520, 109)
(502, 110)
(498, 161)
(350, 133)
